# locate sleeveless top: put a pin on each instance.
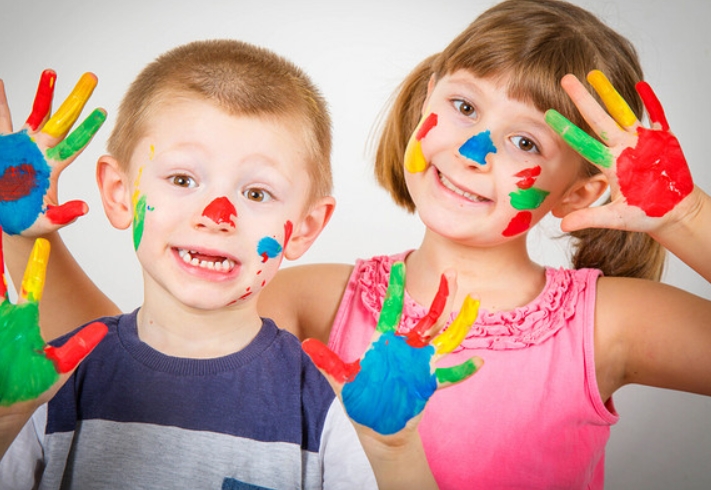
(532, 417)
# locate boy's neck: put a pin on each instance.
(179, 331)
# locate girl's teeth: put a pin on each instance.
(468, 195)
(225, 265)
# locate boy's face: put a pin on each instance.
(489, 167)
(215, 198)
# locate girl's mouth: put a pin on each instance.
(460, 192)
(213, 263)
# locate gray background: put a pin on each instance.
(357, 52)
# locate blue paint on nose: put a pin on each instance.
(477, 147)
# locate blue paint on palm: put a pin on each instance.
(24, 180)
(393, 385)
(268, 248)
(477, 147)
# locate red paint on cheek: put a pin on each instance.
(528, 177)
(221, 210)
(17, 182)
(429, 123)
(288, 230)
(518, 224)
(654, 176)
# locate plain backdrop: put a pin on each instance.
(357, 52)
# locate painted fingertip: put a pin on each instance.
(36, 271)
(69, 111)
(652, 104)
(77, 347)
(615, 103)
(43, 99)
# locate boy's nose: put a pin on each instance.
(220, 212)
(476, 148)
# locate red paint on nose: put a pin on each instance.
(221, 210)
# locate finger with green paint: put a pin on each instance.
(392, 382)
(28, 366)
(32, 159)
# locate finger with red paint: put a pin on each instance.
(32, 159)
(391, 383)
(645, 167)
(31, 370)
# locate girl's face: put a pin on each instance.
(482, 167)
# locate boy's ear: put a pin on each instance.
(581, 194)
(309, 228)
(115, 192)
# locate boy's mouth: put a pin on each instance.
(461, 192)
(210, 262)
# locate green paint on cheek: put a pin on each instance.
(455, 374)
(25, 372)
(139, 216)
(528, 198)
(587, 146)
(79, 138)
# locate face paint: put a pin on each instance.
(528, 198)
(654, 175)
(139, 212)
(414, 159)
(24, 181)
(221, 211)
(477, 147)
(268, 248)
(69, 111)
(518, 224)
(528, 177)
(43, 99)
(79, 138)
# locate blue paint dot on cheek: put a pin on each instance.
(268, 247)
(477, 147)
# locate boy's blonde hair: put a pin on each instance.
(243, 80)
(531, 44)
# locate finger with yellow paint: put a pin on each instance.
(71, 108)
(35, 272)
(614, 102)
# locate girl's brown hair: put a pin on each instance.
(531, 44)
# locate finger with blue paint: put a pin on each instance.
(392, 382)
(32, 159)
(645, 167)
(28, 366)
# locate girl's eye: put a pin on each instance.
(257, 195)
(183, 181)
(464, 107)
(525, 144)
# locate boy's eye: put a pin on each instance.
(465, 107)
(183, 181)
(525, 144)
(257, 195)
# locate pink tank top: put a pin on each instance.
(532, 417)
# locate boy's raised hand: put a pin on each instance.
(391, 384)
(32, 158)
(645, 167)
(29, 368)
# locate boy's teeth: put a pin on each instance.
(449, 185)
(225, 265)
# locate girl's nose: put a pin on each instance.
(220, 213)
(476, 148)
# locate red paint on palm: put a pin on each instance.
(17, 182)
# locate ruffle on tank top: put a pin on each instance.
(521, 327)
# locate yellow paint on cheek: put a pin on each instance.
(136, 192)
(414, 159)
(616, 105)
(450, 339)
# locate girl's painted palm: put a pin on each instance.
(28, 366)
(645, 167)
(32, 158)
(396, 376)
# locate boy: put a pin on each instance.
(220, 161)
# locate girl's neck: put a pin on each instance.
(180, 331)
(502, 277)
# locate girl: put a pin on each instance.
(482, 167)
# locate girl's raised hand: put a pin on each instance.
(32, 158)
(645, 167)
(394, 379)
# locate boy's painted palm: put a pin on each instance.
(32, 158)
(396, 376)
(28, 366)
(646, 168)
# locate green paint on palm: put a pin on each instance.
(139, 217)
(79, 138)
(528, 198)
(393, 302)
(25, 372)
(455, 374)
(587, 146)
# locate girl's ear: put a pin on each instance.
(115, 192)
(581, 194)
(309, 228)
